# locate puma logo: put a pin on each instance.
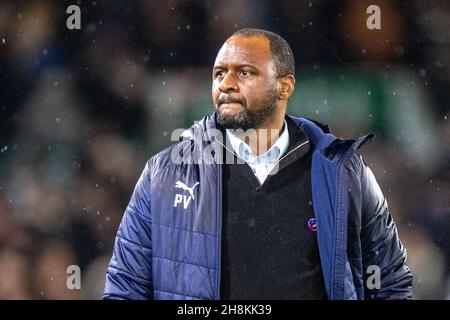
(181, 198)
(181, 185)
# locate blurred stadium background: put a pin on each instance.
(81, 111)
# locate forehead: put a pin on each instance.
(238, 50)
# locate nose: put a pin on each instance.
(229, 84)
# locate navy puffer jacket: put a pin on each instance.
(168, 243)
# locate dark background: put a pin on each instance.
(82, 110)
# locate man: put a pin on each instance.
(296, 214)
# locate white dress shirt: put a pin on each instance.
(263, 164)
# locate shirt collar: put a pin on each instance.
(275, 152)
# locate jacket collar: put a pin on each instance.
(207, 129)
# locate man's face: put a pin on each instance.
(245, 86)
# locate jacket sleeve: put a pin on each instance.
(129, 274)
(381, 247)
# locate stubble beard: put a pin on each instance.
(250, 118)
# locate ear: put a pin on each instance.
(286, 86)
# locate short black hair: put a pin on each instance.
(280, 49)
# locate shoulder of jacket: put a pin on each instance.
(356, 162)
(349, 149)
(165, 156)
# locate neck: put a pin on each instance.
(266, 135)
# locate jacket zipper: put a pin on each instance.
(219, 229)
(339, 262)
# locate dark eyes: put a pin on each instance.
(242, 73)
(219, 74)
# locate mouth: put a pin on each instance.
(231, 105)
